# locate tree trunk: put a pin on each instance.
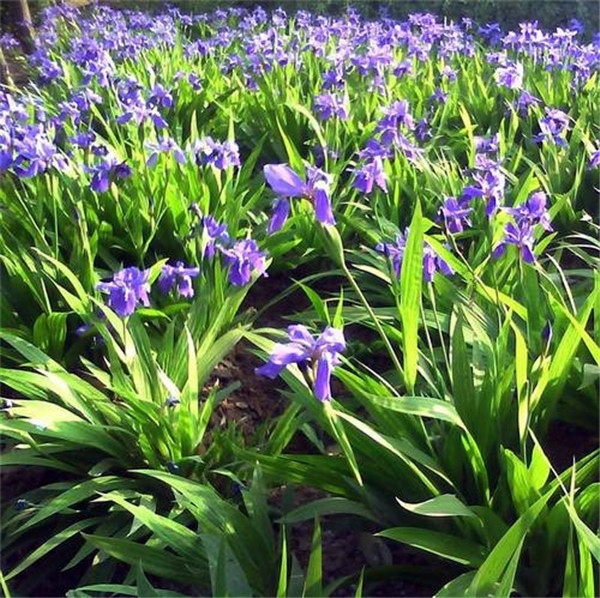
(5, 78)
(16, 15)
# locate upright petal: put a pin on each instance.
(283, 180)
(300, 334)
(332, 339)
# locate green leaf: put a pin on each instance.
(445, 505)
(457, 587)
(173, 534)
(283, 581)
(496, 563)
(313, 585)
(156, 561)
(463, 388)
(411, 279)
(51, 544)
(327, 506)
(422, 406)
(450, 547)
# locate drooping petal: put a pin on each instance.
(270, 370)
(323, 377)
(166, 280)
(323, 210)
(283, 180)
(499, 250)
(527, 254)
(281, 211)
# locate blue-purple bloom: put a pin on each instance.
(179, 276)
(510, 76)
(219, 154)
(328, 105)
(286, 183)
(316, 357)
(106, 171)
(395, 115)
(525, 102)
(166, 145)
(522, 236)
(128, 288)
(456, 214)
(533, 211)
(369, 175)
(431, 261)
(553, 126)
(594, 160)
(244, 258)
(487, 145)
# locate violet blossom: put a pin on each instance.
(128, 288)
(286, 183)
(316, 357)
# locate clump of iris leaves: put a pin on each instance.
(426, 194)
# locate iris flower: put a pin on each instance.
(286, 183)
(317, 357)
(244, 257)
(521, 235)
(128, 288)
(178, 276)
(431, 261)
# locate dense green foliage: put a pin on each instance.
(442, 240)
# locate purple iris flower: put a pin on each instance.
(244, 257)
(594, 160)
(166, 145)
(106, 171)
(533, 211)
(213, 232)
(402, 68)
(577, 26)
(395, 115)
(317, 357)
(369, 175)
(422, 130)
(456, 214)
(34, 154)
(160, 96)
(510, 76)
(437, 97)
(525, 101)
(83, 140)
(221, 155)
(177, 275)
(490, 183)
(553, 126)
(522, 236)
(286, 183)
(6, 159)
(140, 111)
(487, 145)
(431, 261)
(328, 105)
(449, 73)
(128, 288)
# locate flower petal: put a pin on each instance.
(322, 379)
(283, 180)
